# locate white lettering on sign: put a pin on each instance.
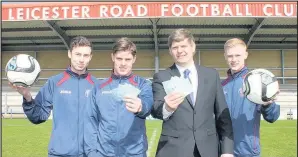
(215, 10)
(119, 11)
(46, 13)
(149, 10)
(192, 7)
(164, 8)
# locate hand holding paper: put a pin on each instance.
(177, 84)
(126, 90)
(133, 104)
(177, 88)
(173, 100)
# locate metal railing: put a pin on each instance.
(153, 69)
(40, 80)
(287, 107)
(150, 78)
(9, 105)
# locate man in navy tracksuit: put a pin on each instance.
(245, 114)
(66, 94)
(115, 127)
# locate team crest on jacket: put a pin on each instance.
(87, 92)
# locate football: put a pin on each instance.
(260, 86)
(22, 70)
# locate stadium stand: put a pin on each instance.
(271, 38)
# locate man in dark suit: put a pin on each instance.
(196, 125)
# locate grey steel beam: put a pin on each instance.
(208, 35)
(108, 27)
(199, 56)
(150, 27)
(34, 48)
(205, 42)
(204, 26)
(26, 29)
(178, 26)
(31, 38)
(283, 40)
(279, 26)
(35, 55)
(253, 30)
(156, 57)
(274, 42)
(87, 36)
(200, 46)
(105, 43)
(133, 36)
(282, 57)
(159, 36)
(61, 33)
(58, 43)
(118, 36)
(276, 35)
(160, 42)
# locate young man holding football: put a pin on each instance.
(65, 95)
(245, 114)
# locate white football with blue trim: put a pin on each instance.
(22, 70)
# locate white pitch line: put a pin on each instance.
(151, 142)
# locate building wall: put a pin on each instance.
(145, 60)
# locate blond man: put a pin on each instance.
(245, 114)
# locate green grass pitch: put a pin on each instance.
(20, 138)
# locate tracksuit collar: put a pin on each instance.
(242, 72)
(69, 71)
(114, 76)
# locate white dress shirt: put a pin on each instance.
(194, 81)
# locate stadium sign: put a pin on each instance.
(101, 10)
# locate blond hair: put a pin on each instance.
(179, 35)
(234, 42)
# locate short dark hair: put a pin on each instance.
(79, 41)
(179, 35)
(124, 44)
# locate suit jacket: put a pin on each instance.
(207, 124)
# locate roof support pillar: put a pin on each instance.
(61, 33)
(253, 30)
(199, 57)
(282, 54)
(155, 34)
